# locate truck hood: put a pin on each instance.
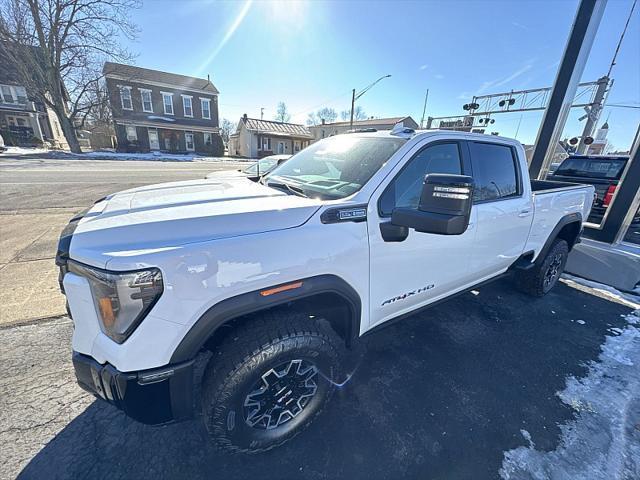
(162, 216)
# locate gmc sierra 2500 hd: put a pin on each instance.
(262, 285)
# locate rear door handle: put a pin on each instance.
(524, 213)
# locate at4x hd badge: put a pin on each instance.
(408, 294)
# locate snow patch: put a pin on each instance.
(22, 151)
(157, 117)
(603, 441)
(627, 299)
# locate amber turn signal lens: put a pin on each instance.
(106, 310)
(282, 288)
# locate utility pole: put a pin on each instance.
(603, 87)
(593, 114)
(424, 108)
(353, 102)
(583, 31)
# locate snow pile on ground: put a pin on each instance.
(154, 156)
(22, 151)
(604, 440)
(606, 291)
(111, 155)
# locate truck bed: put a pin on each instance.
(542, 186)
(551, 202)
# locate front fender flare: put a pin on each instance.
(252, 302)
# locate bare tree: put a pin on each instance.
(227, 127)
(359, 113)
(282, 114)
(96, 111)
(58, 48)
(312, 119)
(327, 114)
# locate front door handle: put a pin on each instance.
(524, 213)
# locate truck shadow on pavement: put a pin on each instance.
(440, 395)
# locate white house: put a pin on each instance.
(255, 138)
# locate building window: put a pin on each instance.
(167, 101)
(266, 144)
(207, 138)
(205, 103)
(187, 106)
(132, 134)
(13, 94)
(125, 98)
(147, 104)
(188, 140)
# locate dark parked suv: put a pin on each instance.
(601, 171)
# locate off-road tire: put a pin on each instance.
(239, 363)
(535, 281)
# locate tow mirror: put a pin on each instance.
(444, 208)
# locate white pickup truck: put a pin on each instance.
(235, 300)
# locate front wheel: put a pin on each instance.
(541, 278)
(268, 381)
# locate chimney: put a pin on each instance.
(244, 117)
(322, 121)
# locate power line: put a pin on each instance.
(615, 55)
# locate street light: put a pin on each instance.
(355, 97)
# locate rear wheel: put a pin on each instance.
(268, 381)
(541, 278)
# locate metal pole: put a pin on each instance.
(585, 26)
(424, 109)
(593, 115)
(353, 102)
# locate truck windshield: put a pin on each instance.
(335, 167)
(592, 167)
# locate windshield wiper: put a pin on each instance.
(289, 188)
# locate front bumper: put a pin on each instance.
(153, 397)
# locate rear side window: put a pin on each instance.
(494, 171)
(592, 167)
(405, 189)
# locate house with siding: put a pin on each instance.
(25, 120)
(255, 138)
(329, 129)
(160, 111)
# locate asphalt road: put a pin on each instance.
(466, 390)
(41, 183)
(38, 196)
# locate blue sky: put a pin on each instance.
(311, 54)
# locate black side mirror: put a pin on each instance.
(444, 208)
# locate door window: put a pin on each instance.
(405, 189)
(494, 171)
(132, 134)
(188, 137)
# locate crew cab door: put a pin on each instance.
(407, 274)
(503, 208)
